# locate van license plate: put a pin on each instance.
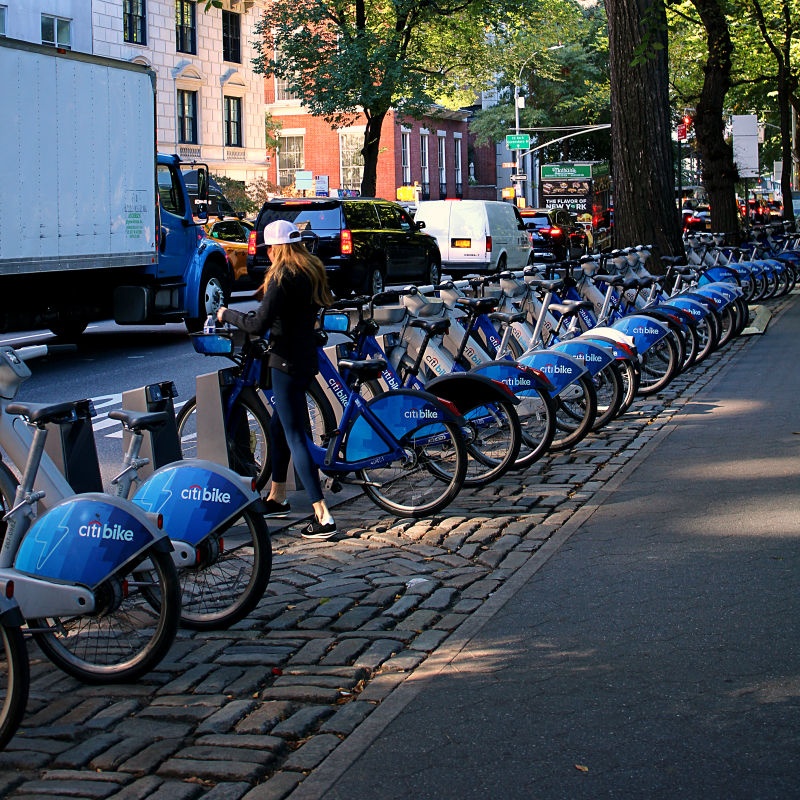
(461, 243)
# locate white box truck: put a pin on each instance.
(93, 223)
(476, 235)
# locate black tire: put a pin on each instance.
(493, 441)
(659, 366)
(433, 274)
(502, 263)
(576, 409)
(375, 282)
(707, 337)
(729, 320)
(248, 441)
(610, 390)
(230, 580)
(630, 381)
(128, 635)
(14, 681)
(428, 481)
(537, 419)
(214, 292)
(69, 330)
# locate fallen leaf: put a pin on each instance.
(277, 671)
(581, 768)
(324, 600)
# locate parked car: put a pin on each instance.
(476, 235)
(233, 235)
(555, 234)
(365, 244)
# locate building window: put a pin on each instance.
(442, 168)
(56, 32)
(282, 90)
(233, 121)
(133, 21)
(351, 160)
(291, 157)
(423, 161)
(231, 37)
(2, 20)
(185, 27)
(459, 185)
(187, 117)
(405, 157)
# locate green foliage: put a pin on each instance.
(272, 128)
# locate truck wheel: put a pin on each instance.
(213, 294)
(69, 330)
(434, 271)
(375, 281)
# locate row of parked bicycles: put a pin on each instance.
(421, 391)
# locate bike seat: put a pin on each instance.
(42, 413)
(432, 327)
(673, 260)
(570, 307)
(480, 305)
(139, 420)
(614, 280)
(500, 316)
(365, 368)
(548, 286)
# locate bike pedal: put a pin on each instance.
(336, 487)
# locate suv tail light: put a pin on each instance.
(347, 242)
(251, 243)
(554, 231)
(488, 244)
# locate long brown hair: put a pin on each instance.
(293, 258)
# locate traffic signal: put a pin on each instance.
(687, 121)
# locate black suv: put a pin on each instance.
(555, 234)
(365, 244)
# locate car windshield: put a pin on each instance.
(536, 222)
(316, 217)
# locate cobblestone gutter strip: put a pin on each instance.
(250, 712)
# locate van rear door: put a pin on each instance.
(469, 230)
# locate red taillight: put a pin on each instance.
(9, 589)
(251, 244)
(488, 244)
(253, 485)
(160, 521)
(347, 243)
(555, 231)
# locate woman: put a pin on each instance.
(295, 288)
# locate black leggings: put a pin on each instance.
(287, 432)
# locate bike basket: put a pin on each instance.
(389, 315)
(423, 306)
(213, 344)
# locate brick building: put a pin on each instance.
(432, 153)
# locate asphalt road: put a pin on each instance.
(110, 359)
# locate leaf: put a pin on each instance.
(581, 768)
(324, 600)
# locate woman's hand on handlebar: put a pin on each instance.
(220, 311)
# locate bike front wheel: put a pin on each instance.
(576, 410)
(14, 681)
(129, 632)
(493, 441)
(659, 366)
(426, 479)
(610, 391)
(231, 575)
(246, 434)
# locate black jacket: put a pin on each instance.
(288, 314)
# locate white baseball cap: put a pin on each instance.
(281, 232)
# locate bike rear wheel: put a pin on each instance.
(247, 436)
(493, 440)
(231, 576)
(14, 681)
(610, 390)
(428, 479)
(537, 419)
(127, 635)
(659, 366)
(576, 409)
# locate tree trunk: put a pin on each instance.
(645, 211)
(784, 93)
(372, 143)
(719, 170)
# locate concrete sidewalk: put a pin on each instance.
(652, 651)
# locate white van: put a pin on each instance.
(476, 235)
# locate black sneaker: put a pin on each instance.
(316, 530)
(272, 508)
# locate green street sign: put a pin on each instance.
(518, 141)
(566, 171)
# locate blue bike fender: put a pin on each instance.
(715, 274)
(730, 291)
(86, 538)
(620, 351)
(696, 309)
(195, 497)
(719, 297)
(559, 368)
(644, 331)
(522, 379)
(467, 390)
(403, 412)
(595, 357)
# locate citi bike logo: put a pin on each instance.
(646, 329)
(592, 357)
(337, 389)
(472, 354)
(434, 364)
(517, 381)
(99, 530)
(391, 381)
(556, 369)
(421, 413)
(206, 495)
